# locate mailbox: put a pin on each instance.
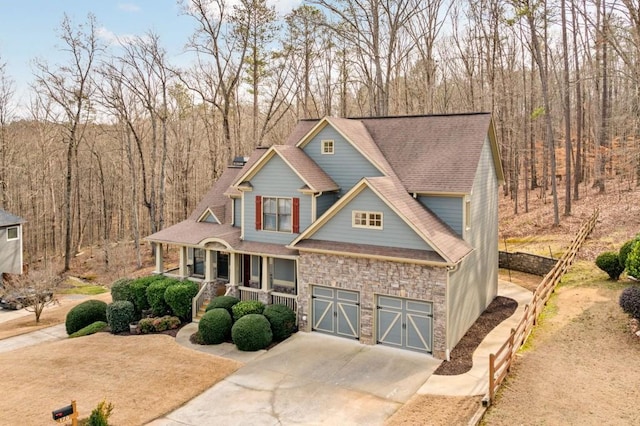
(63, 412)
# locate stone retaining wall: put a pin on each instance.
(526, 262)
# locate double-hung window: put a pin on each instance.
(362, 219)
(276, 214)
(12, 233)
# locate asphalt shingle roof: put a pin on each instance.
(8, 219)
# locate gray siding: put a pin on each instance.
(275, 179)
(10, 252)
(237, 211)
(395, 232)
(475, 283)
(449, 209)
(346, 166)
(324, 202)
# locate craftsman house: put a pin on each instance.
(383, 230)
(10, 243)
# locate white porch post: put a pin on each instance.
(183, 262)
(159, 259)
(209, 274)
(233, 268)
(264, 281)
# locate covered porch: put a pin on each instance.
(223, 270)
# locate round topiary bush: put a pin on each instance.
(630, 301)
(155, 296)
(610, 263)
(215, 326)
(121, 289)
(246, 307)
(226, 302)
(84, 314)
(625, 250)
(139, 292)
(179, 298)
(119, 315)
(252, 332)
(633, 261)
(282, 320)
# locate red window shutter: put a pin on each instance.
(296, 215)
(258, 212)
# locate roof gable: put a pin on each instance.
(8, 219)
(313, 177)
(209, 217)
(423, 222)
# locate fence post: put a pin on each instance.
(492, 378)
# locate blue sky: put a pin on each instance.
(28, 28)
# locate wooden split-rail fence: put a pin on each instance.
(500, 362)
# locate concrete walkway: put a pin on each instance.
(48, 334)
(476, 380)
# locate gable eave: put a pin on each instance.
(204, 214)
(495, 152)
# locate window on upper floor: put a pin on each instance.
(277, 214)
(12, 233)
(362, 219)
(327, 147)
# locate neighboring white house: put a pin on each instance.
(10, 243)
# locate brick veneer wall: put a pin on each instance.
(526, 262)
(374, 277)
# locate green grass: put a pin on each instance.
(79, 287)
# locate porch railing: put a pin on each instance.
(248, 293)
(198, 300)
(290, 300)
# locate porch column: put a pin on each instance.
(159, 259)
(183, 262)
(233, 268)
(264, 280)
(209, 274)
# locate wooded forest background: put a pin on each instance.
(118, 142)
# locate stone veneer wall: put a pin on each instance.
(374, 277)
(526, 262)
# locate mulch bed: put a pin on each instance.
(461, 356)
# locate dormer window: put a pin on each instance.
(327, 147)
(363, 219)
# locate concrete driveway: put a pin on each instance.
(311, 379)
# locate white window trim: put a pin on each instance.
(369, 219)
(467, 214)
(325, 144)
(17, 228)
(290, 231)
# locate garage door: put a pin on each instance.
(336, 311)
(405, 323)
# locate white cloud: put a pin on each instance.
(112, 38)
(129, 7)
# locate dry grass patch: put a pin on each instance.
(52, 315)
(436, 410)
(144, 377)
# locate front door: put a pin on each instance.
(336, 311)
(246, 269)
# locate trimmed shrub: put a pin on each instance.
(252, 332)
(630, 301)
(633, 261)
(84, 314)
(119, 315)
(139, 292)
(121, 289)
(225, 302)
(158, 324)
(90, 329)
(610, 263)
(282, 320)
(626, 248)
(179, 298)
(155, 295)
(215, 326)
(246, 307)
